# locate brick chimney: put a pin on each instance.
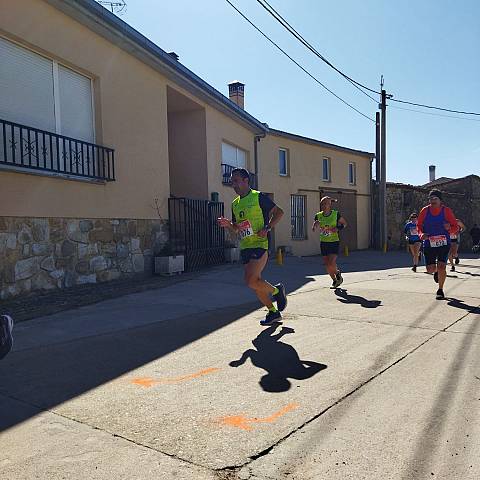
(236, 91)
(431, 171)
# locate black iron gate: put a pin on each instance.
(194, 231)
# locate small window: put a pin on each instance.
(352, 174)
(326, 169)
(283, 162)
(233, 156)
(298, 204)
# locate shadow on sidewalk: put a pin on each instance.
(280, 360)
(347, 298)
(453, 302)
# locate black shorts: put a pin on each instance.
(454, 240)
(437, 254)
(329, 248)
(248, 254)
(413, 242)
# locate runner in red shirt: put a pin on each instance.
(435, 224)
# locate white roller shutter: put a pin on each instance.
(233, 156)
(229, 154)
(241, 158)
(76, 113)
(26, 87)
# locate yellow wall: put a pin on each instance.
(305, 178)
(222, 128)
(131, 103)
(188, 154)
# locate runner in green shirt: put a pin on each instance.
(254, 214)
(330, 222)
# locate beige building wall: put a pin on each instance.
(221, 128)
(131, 117)
(305, 178)
(188, 154)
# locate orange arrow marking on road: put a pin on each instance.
(242, 422)
(150, 382)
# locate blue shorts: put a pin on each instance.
(436, 254)
(329, 248)
(248, 254)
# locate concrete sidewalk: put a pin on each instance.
(378, 380)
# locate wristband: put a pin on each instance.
(340, 226)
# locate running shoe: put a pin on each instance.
(452, 269)
(414, 268)
(339, 279)
(435, 277)
(457, 260)
(271, 318)
(280, 297)
(440, 294)
(6, 339)
(334, 284)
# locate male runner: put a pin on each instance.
(6, 339)
(414, 241)
(330, 222)
(455, 238)
(435, 224)
(254, 214)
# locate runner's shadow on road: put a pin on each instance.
(280, 360)
(453, 302)
(471, 274)
(347, 298)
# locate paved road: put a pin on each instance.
(375, 381)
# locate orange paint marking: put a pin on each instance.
(144, 382)
(150, 382)
(242, 422)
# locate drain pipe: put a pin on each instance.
(256, 139)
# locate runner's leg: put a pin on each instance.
(416, 253)
(253, 279)
(331, 265)
(442, 274)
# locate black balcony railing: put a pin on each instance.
(33, 149)
(227, 173)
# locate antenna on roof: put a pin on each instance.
(116, 7)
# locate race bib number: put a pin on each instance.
(437, 241)
(413, 231)
(245, 229)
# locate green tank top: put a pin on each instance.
(328, 226)
(249, 219)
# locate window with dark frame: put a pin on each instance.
(283, 162)
(326, 169)
(298, 206)
(352, 174)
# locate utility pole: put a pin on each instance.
(378, 174)
(383, 169)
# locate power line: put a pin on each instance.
(274, 13)
(434, 114)
(296, 63)
(435, 108)
(302, 40)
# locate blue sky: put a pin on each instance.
(427, 51)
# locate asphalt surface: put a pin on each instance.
(376, 380)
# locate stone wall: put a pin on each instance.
(463, 196)
(48, 253)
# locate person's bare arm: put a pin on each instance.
(276, 214)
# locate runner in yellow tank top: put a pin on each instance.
(329, 222)
(253, 215)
